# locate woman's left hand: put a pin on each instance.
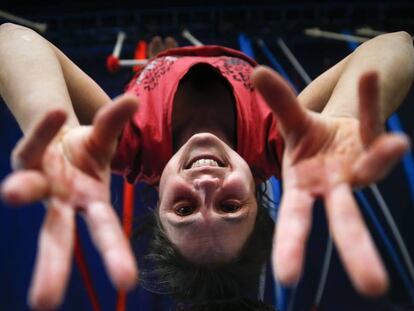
(327, 156)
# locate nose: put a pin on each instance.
(206, 185)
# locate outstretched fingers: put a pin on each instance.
(30, 149)
(379, 158)
(108, 125)
(292, 229)
(23, 187)
(369, 108)
(112, 244)
(353, 241)
(54, 257)
(293, 118)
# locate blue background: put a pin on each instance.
(86, 32)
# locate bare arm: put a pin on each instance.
(86, 95)
(39, 84)
(316, 95)
(335, 92)
(36, 77)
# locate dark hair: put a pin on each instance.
(165, 270)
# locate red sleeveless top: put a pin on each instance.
(146, 144)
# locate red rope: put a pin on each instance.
(128, 212)
(140, 53)
(128, 208)
(84, 271)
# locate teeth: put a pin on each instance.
(204, 162)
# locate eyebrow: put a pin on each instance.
(236, 220)
(190, 222)
(182, 223)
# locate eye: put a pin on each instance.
(230, 207)
(184, 210)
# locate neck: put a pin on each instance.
(203, 106)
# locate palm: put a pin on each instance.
(327, 146)
(324, 158)
(73, 173)
(81, 179)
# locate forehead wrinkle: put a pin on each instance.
(207, 248)
(182, 224)
(192, 222)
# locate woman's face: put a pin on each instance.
(207, 200)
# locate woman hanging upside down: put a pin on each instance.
(205, 125)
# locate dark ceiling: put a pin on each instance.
(96, 22)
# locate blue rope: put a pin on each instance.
(280, 291)
(246, 45)
(275, 64)
(277, 193)
(388, 245)
(394, 124)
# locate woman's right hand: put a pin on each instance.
(69, 169)
(326, 156)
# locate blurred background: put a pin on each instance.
(86, 31)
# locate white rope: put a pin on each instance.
(325, 270)
(367, 31)
(262, 283)
(329, 245)
(194, 41)
(118, 45)
(394, 229)
(295, 63)
(40, 27)
(132, 62)
(293, 298)
(316, 32)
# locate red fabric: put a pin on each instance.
(112, 63)
(146, 144)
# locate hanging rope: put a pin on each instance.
(394, 229)
(84, 272)
(284, 296)
(128, 214)
(394, 124)
(275, 64)
(324, 274)
(389, 246)
(129, 191)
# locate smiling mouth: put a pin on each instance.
(205, 151)
(204, 161)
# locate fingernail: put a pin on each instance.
(10, 192)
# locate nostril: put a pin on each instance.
(196, 184)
